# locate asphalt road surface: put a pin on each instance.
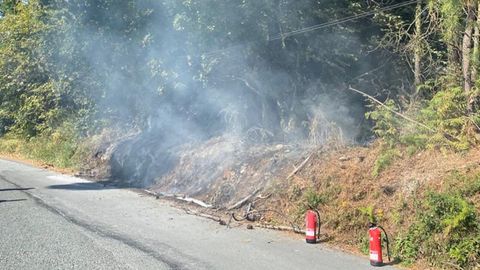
(52, 221)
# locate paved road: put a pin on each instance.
(51, 221)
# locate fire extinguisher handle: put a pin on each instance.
(388, 242)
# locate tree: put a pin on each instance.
(8, 6)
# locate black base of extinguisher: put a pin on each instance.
(374, 263)
(310, 241)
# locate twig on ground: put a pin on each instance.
(179, 197)
(243, 201)
(280, 228)
(214, 218)
(299, 167)
(195, 201)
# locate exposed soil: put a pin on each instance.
(274, 180)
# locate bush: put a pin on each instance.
(387, 125)
(384, 160)
(56, 148)
(446, 229)
(10, 145)
(313, 199)
(447, 113)
(445, 119)
(368, 213)
(60, 148)
(463, 185)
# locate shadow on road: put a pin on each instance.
(15, 189)
(17, 200)
(87, 186)
(395, 261)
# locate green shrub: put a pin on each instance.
(415, 142)
(466, 252)
(364, 244)
(463, 185)
(313, 199)
(387, 124)
(56, 148)
(368, 213)
(60, 147)
(446, 229)
(384, 160)
(444, 123)
(447, 113)
(310, 200)
(407, 246)
(10, 145)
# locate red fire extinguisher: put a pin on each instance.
(375, 233)
(312, 224)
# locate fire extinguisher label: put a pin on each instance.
(310, 232)
(373, 256)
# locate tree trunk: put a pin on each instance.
(418, 46)
(476, 43)
(475, 58)
(467, 47)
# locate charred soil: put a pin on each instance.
(273, 185)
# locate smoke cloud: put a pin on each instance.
(181, 77)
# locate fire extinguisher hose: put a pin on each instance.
(386, 240)
(319, 223)
(295, 228)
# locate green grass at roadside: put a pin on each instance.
(61, 149)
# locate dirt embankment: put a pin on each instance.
(223, 170)
(348, 193)
(279, 181)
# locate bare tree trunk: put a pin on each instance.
(475, 58)
(476, 43)
(467, 47)
(418, 49)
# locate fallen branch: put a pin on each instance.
(243, 201)
(280, 228)
(445, 135)
(299, 167)
(203, 215)
(151, 193)
(195, 201)
(179, 197)
(260, 197)
(474, 123)
(390, 109)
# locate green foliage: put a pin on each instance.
(466, 252)
(386, 124)
(451, 12)
(446, 112)
(60, 148)
(445, 117)
(407, 246)
(8, 6)
(313, 199)
(9, 145)
(364, 244)
(30, 100)
(385, 159)
(446, 228)
(310, 199)
(368, 213)
(56, 148)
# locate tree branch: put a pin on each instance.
(388, 108)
